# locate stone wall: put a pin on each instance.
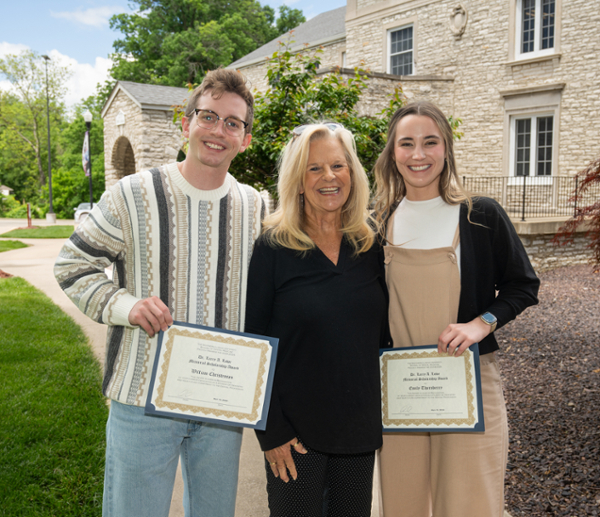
(147, 139)
(160, 141)
(471, 76)
(544, 255)
(536, 236)
(362, 4)
(480, 63)
(256, 73)
(114, 145)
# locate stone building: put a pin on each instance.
(139, 132)
(521, 74)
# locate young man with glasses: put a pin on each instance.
(180, 238)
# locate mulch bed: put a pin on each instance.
(4, 274)
(550, 360)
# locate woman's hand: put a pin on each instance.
(457, 337)
(280, 459)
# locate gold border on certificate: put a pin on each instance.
(261, 379)
(431, 423)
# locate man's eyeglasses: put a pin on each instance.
(208, 119)
(332, 126)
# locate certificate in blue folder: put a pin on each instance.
(212, 375)
(423, 390)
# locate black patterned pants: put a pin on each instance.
(328, 485)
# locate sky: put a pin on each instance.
(76, 34)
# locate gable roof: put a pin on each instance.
(324, 28)
(148, 96)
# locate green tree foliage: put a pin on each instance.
(586, 194)
(23, 140)
(23, 108)
(288, 19)
(18, 169)
(70, 185)
(298, 95)
(174, 42)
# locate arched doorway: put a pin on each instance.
(123, 159)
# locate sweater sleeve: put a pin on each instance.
(515, 280)
(259, 308)
(80, 267)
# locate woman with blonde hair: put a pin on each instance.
(316, 281)
(447, 255)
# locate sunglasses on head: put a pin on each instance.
(332, 126)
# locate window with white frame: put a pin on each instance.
(532, 145)
(400, 51)
(536, 24)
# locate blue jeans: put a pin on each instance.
(142, 453)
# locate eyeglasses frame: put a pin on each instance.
(198, 110)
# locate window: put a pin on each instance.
(531, 136)
(400, 51)
(536, 24)
(532, 144)
(344, 59)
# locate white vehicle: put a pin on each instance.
(82, 211)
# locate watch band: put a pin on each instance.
(489, 319)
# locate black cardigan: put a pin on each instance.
(331, 321)
(492, 258)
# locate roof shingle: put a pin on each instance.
(327, 25)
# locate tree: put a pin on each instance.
(23, 108)
(298, 95)
(18, 168)
(590, 214)
(70, 185)
(174, 42)
(288, 19)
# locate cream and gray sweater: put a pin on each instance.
(164, 238)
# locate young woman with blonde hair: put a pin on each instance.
(447, 255)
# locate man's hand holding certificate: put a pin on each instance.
(424, 390)
(210, 374)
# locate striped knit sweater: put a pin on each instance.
(168, 239)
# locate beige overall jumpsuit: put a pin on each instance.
(439, 474)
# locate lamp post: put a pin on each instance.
(87, 116)
(50, 216)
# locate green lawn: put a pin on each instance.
(11, 245)
(42, 232)
(53, 415)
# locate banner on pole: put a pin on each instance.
(85, 153)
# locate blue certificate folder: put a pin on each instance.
(420, 399)
(202, 378)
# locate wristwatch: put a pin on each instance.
(489, 319)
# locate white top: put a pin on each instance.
(425, 225)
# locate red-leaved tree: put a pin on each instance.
(590, 214)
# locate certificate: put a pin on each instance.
(423, 390)
(212, 375)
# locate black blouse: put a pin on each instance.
(331, 321)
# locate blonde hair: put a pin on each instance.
(285, 226)
(390, 186)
